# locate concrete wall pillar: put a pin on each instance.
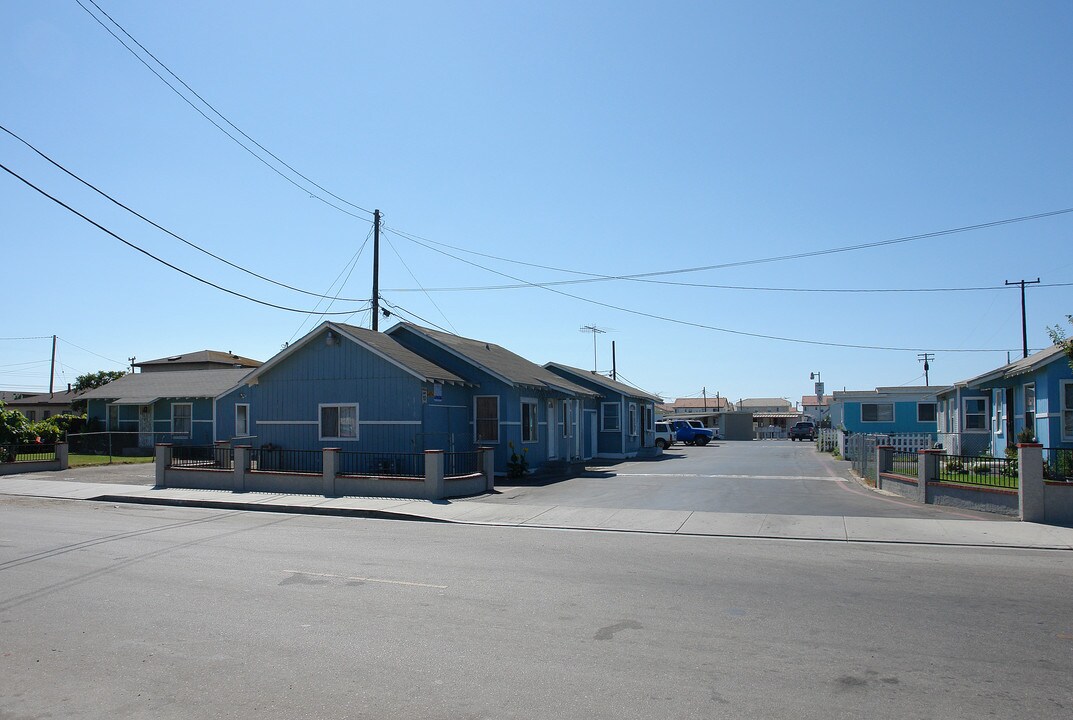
(61, 455)
(884, 460)
(435, 489)
(1030, 488)
(331, 469)
(242, 465)
(163, 459)
(927, 469)
(488, 467)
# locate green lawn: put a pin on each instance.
(88, 460)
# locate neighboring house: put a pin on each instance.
(815, 408)
(38, 406)
(201, 360)
(351, 388)
(513, 401)
(151, 407)
(770, 412)
(1034, 392)
(886, 410)
(626, 415)
(695, 406)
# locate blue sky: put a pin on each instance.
(610, 138)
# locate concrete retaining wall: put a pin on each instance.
(983, 499)
(906, 487)
(1058, 503)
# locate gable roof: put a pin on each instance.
(765, 402)
(497, 361)
(225, 359)
(1020, 366)
(147, 388)
(815, 400)
(375, 342)
(713, 403)
(605, 382)
(59, 398)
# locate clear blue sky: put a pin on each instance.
(601, 137)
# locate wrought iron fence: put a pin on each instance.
(459, 464)
(1058, 464)
(965, 444)
(986, 471)
(271, 459)
(203, 457)
(31, 452)
(905, 463)
(406, 465)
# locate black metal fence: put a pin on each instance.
(203, 457)
(292, 461)
(32, 452)
(459, 464)
(1058, 464)
(985, 471)
(905, 463)
(406, 465)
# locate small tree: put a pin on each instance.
(90, 381)
(15, 429)
(1058, 337)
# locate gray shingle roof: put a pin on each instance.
(143, 388)
(389, 346)
(498, 360)
(1019, 366)
(606, 382)
(224, 359)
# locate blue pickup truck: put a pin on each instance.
(691, 432)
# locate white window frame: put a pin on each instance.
(984, 414)
(246, 430)
(534, 420)
(1024, 406)
(935, 412)
(877, 405)
(476, 421)
(338, 436)
(604, 427)
(650, 417)
(998, 411)
(1065, 396)
(190, 418)
(633, 420)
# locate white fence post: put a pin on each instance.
(434, 486)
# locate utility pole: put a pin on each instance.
(376, 270)
(704, 391)
(52, 369)
(1024, 323)
(925, 357)
(132, 359)
(614, 364)
(595, 331)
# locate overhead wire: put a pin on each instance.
(187, 100)
(405, 265)
(161, 227)
(351, 265)
(401, 311)
(151, 255)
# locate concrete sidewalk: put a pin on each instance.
(977, 533)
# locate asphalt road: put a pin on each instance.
(772, 476)
(140, 611)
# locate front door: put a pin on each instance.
(145, 426)
(553, 431)
(1010, 437)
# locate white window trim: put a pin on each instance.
(189, 405)
(1065, 390)
(336, 438)
(633, 420)
(499, 430)
(893, 412)
(965, 414)
(536, 416)
(246, 432)
(998, 410)
(603, 417)
(933, 404)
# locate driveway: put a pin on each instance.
(776, 477)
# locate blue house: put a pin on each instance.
(886, 410)
(1034, 392)
(626, 415)
(511, 401)
(177, 406)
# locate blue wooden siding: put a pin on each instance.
(1047, 381)
(905, 418)
(201, 422)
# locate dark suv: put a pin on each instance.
(803, 431)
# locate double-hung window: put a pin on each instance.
(339, 422)
(877, 412)
(1000, 410)
(1067, 410)
(926, 412)
(1030, 407)
(610, 417)
(974, 414)
(486, 415)
(181, 419)
(242, 420)
(529, 420)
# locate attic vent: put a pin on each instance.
(175, 357)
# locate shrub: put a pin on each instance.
(518, 465)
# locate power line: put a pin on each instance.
(351, 265)
(401, 311)
(152, 256)
(102, 357)
(703, 326)
(438, 309)
(220, 115)
(161, 227)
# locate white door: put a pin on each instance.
(553, 431)
(145, 426)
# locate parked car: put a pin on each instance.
(691, 432)
(803, 431)
(664, 435)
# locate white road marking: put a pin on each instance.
(367, 579)
(735, 477)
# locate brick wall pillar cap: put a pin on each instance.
(1021, 445)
